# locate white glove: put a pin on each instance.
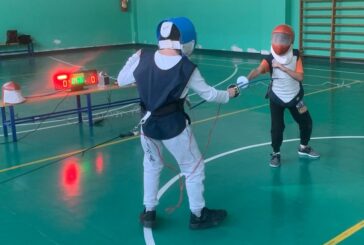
(242, 82)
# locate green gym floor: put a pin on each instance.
(57, 188)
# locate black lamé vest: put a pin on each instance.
(160, 92)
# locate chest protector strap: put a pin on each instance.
(167, 121)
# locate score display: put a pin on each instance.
(75, 80)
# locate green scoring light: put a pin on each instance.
(77, 79)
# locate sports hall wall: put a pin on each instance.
(240, 25)
(66, 24)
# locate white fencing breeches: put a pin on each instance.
(185, 150)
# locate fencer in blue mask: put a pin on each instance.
(163, 78)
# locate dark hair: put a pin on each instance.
(174, 35)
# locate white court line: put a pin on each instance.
(40, 129)
(348, 72)
(74, 118)
(64, 62)
(148, 234)
(328, 83)
(64, 124)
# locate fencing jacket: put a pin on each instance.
(284, 90)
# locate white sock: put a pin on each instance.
(303, 146)
(149, 209)
(197, 212)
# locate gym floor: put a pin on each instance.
(63, 183)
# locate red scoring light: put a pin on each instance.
(61, 81)
(62, 77)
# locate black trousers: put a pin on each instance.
(277, 124)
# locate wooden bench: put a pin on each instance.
(78, 110)
(9, 48)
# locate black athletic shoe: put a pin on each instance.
(209, 218)
(275, 161)
(148, 218)
(308, 152)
